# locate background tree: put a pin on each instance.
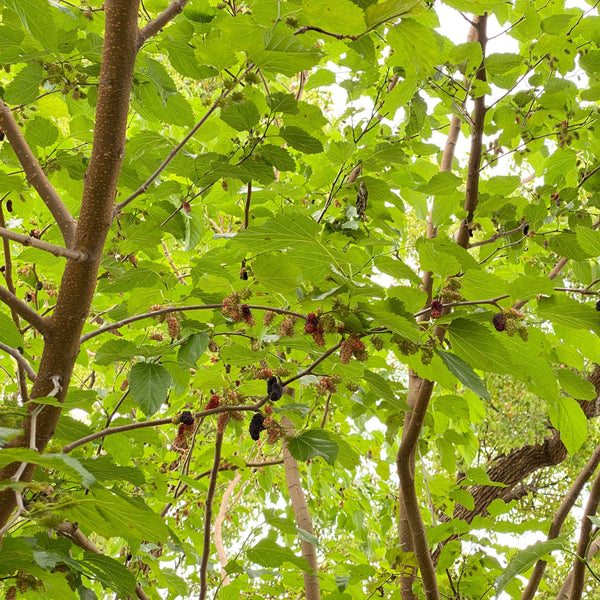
(257, 348)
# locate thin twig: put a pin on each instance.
(216, 104)
(171, 309)
(497, 236)
(21, 360)
(154, 26)
(337, 36)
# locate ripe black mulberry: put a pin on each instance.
(274, 389)
(499, 321)
(186, 418)
(256, 426)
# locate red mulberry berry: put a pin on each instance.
(436, 309)
(346, 352)
(247, 314)
(215, 400)
(256, 426)
(173, 327)
(264, 373)
(499, 321)
(274, 389)
(312, 322)
(286, 329)
(268, 318)
(318, 336)
(222, 421)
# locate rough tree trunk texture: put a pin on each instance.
(301, 514)
(61, 335)
(522, 462)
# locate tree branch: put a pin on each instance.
(479, 110)
(171, 309)
(208, 514)
(36, 176)
(404, 462)
(337, 36)
(216, 104)
(312, 589)
(584, 541)
(24, 310)
(21, 361)
(559, 518)
(27, 240)
(153, 27)
(72, 532)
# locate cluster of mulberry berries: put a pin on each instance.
(315, 328)
(274, 389)
(268, 317)
(260, 423)
(353, 346)
(509, 321)
(186, 422)
(286, 329)
(327, 385)
(234, 308)
(407, 348)
(263, 373)
(436, 309)
(173, 326)
(215, 400)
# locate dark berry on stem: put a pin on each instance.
(186, 417)
(256, 426)
(274, 389)
(499, 321)
(598, 305)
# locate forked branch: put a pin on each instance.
(27, 240)
(153, 27)
(36, 176)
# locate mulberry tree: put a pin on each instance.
(299, 299)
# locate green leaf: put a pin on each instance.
(301, 140)
(381, 387)
(24, 88)
(242, 117)
(277, 157)
(115, 350)
(283, 103)
(574, 385)
(269, 554)
(9, 334)
(378, 13)
(193, 348)
(567, 416)
(149, 384)
(464, 372)
(62, 462)
(311, 443)
(110, 572)
(338, 16)
(524, 560)
(440, 184)
(41, 132)
(569, 312)
(111, 514)
(37, 17)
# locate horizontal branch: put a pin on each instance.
(172, 309)
(337, 36)
(36, 176)
(198, 415)
(23, 310)
(20, 360)
(27, 240)
(497, 236)
(153, 27)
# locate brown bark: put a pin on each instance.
(302, 515)
(559, 518)
(479, 110)
(79, 278)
